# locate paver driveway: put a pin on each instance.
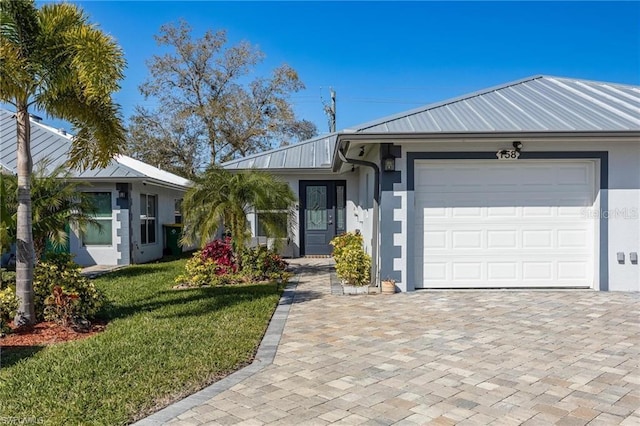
(444, 357)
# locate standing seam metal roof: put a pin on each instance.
(52, 146)
(534, 104)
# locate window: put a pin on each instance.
(340, 209)
(278, 218)
(148, 218)
(177, 211)
(100, 235)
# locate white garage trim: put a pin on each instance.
(527, 223)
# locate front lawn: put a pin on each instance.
(160, 345)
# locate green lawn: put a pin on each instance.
(160, 345)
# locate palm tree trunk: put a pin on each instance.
(25, 256)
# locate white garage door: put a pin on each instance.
(521, 223)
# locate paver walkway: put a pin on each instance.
(442, 357)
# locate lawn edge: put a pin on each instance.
(263, 358)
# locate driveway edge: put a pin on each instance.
(264, 357)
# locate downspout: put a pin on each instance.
(376, 211)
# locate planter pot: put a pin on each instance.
(388, 287)
(355, 289)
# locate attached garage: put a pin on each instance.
(484, 224)
(529, 184)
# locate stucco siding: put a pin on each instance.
(98, 255)
(352, 204)
(166, 198)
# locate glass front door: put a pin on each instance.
(323, 214)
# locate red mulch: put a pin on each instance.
(46, 333)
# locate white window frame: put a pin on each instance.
(145, 218)
(101, 218)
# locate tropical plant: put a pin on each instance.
(53, 59)
(261, 263)
(56, 201)
(8, 308)
(222, 198)
(221, 252)
(59, 270)
(353, 264)
(201, 271)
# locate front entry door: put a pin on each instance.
(322, 214)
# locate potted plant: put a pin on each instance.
(388, 286)
(353, 264)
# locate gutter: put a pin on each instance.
(376, 212)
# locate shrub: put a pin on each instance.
(201, 271)
(353, 264)
(216, 264)
(261, 263)
(8, 279)
(8, 308)
(60, 306)
(60, 270)
(221, 252)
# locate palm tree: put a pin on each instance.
(54, 60)
(56, 201)
(220, 197)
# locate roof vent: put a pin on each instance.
(36, 118)
(62, 132)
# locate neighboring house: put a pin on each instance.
(534, 183)
(133, 198)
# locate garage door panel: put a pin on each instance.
(471, 239)
(537, 271)
(536, 231)
(467, 271)
(501, 239)
(502, 271)
(573, 238)
(537, 238)
(572, 270)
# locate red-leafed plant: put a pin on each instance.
(60, 306)
(221, 252)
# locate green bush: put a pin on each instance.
(255, 264)
(260, 263)
(60, 270)
(8, 308)
(8, 279)
(200, 271)
(353, 264)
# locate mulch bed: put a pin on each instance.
(46, 333)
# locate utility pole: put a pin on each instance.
(331, 111)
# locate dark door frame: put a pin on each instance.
(302, 185)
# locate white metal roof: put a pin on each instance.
(52, 145)
(534, 104)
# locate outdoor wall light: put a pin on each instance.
(389, 163)
(122, 194)
(517, 145)
(361, 152)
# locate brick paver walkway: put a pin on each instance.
(443, 357)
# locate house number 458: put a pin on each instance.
(508, 154)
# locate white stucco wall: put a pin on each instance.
(119, 252)
(166, 197)
(293, 180)
(99, 255)
(623, 196)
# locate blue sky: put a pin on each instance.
(386, 57)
